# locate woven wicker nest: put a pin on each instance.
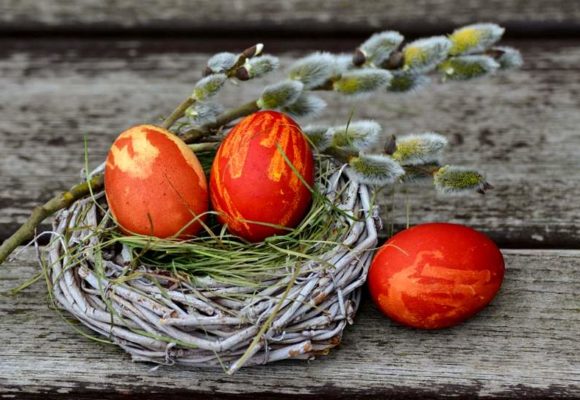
(164, 322)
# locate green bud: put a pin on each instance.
(305, 105)
(459, 180)
(208, 86)
(407, 81)
(203, 113)
(280, 94)
(313, 70)
(362, 81)
(423, 55)
(253, 51)
(474, 38)
(379, 46)
(221, 62)
(508, 58)
(342, 63)
(376, 169)
(420, 149)
(261, 65)
(468, 67)
(358, 135)
(318, 136)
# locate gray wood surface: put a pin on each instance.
(524, 345)
(522, 128)
(280, 17)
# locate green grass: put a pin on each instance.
(232, 261)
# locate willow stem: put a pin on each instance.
(341, 154)
(177, 113)
(65, 199)
(185, 104)
(200, 147)
(251, 107)
(223, 119)
(40, 213)
(235, 113)
(427, 170)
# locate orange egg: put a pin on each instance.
(155, 184)
(435, 275)
(252, 185)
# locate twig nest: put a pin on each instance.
(296, 309)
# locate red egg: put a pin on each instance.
(435, 275)
(155, 184)
(251, 182)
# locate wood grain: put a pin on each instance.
(296, 17)
(524, 345)
(521, 128)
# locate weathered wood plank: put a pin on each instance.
(524, 345)
(521, 128)
(290, 16)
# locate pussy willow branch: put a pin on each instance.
(394, 62)
(77, 192)
(345, 155)
(192, 135)
(231, 115)
(40, 213)
(65, 199)
(231, 72)
(177, 113)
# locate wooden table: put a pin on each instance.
(69, 69)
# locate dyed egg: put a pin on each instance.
(435, 275)
(155, 184)
(252, 186)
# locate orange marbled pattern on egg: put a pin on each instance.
(435, 275)
(251, 180)
(155, 184)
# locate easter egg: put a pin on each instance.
(256, 178)
(155, 184)
(435, 275)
